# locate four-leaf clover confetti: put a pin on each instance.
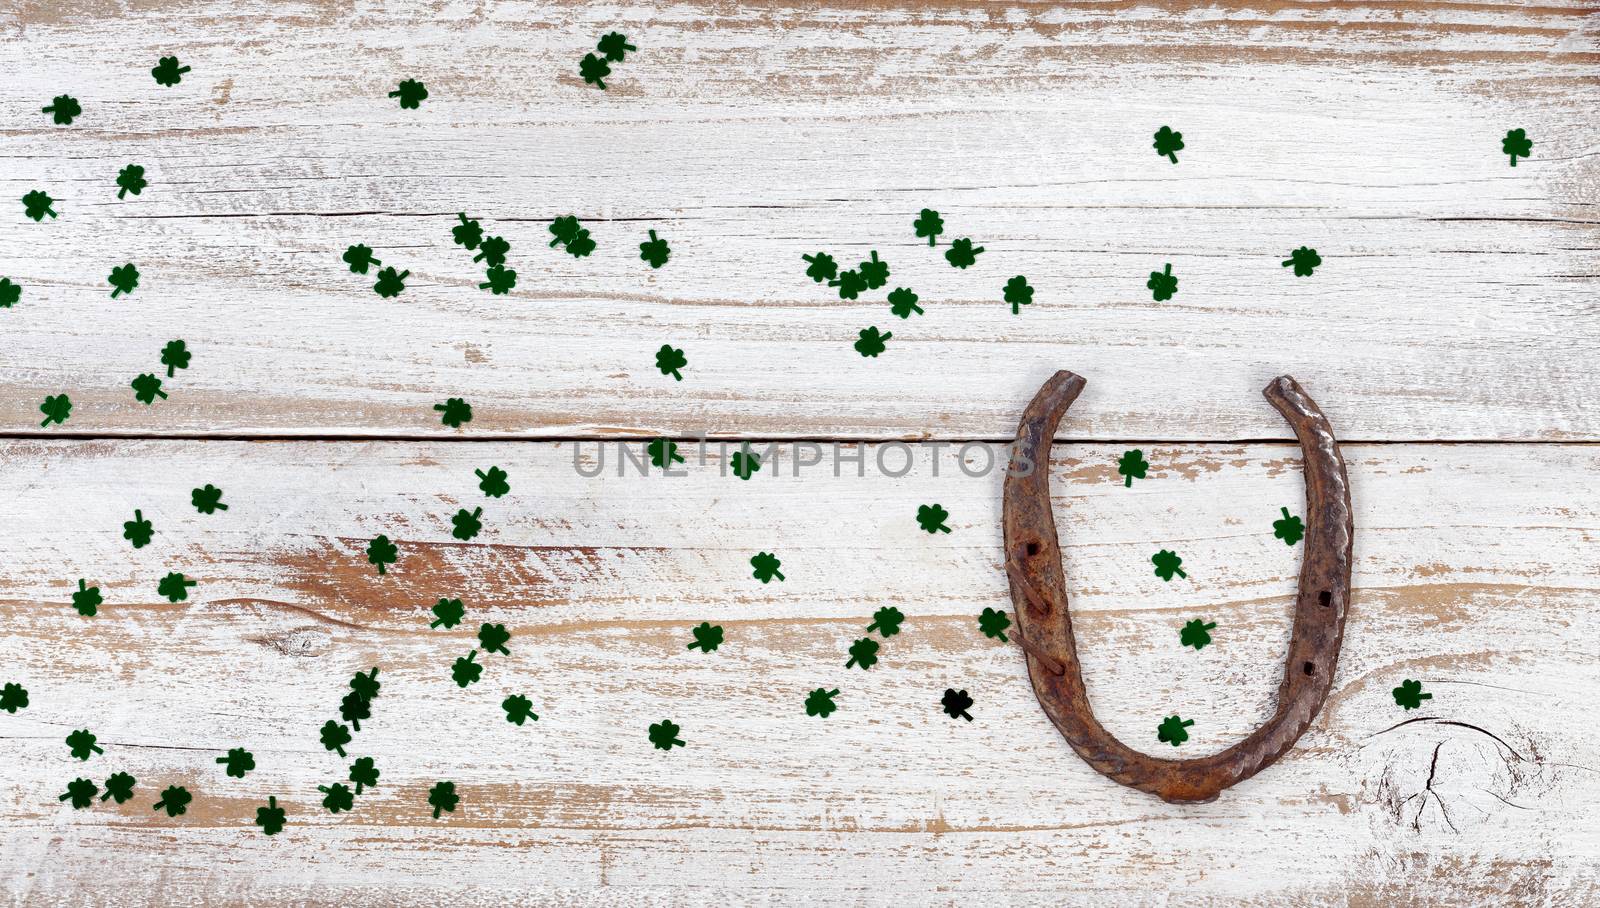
(956, 703)
(820, 702)
(518, 709)
(174, 586)
(863, 652)
(167, 72)
(62, 109)
(238, 762)
(931, 517)
(493, 483)
(119, 787)
(382, 552)
(1168, 143)
(1196, 633)
(442, 796)
(903, 302)
(207, 499)
(1516, 144)
(13, 697)
(411, 94)
(1172, 730)
(138, 530)
(1304, 260)
(455, 412)
(655, 251)
(886, 621)
(1162, 284)
(961, 253)
(175, 355)
(1132, 465)
(123, 279)
(929, 224)
(37, 204)
(871, 342)
(707, 637)
(448, 613)
(766, 566)
(993, 624)
(1018, 294)
(56, 408)
(664, 735)
(1409, 694)
(130, 179)
(82, 744)
(670, 359)
(467, 523)
(87, 599)
(1289, 529)
(271, 817)
(174, 800)
(1167, 563)
(82, 792)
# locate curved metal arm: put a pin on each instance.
(1038, 592)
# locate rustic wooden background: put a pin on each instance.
(1450, 335)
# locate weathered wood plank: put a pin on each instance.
(1474, 569)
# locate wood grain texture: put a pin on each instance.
(1454, 302)
(1475, 570)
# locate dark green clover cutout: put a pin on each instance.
(411, 94)
(238, 762)
(207, 499)
(1305, 260)
(961, 253)
(271, 817)
(123, 280)
(871, 342)
(1168, 143)
(13, 697)
(335, 736)
(443, 797)
(175, 355)
(364, 774)
(1171, 730)
(337, 797)
(56, 408)
(82, 792)
(669, 360)
(874, 272)
(564, 229)
(1196, 633)
(994, 624)
(493, 483)
(448, 613)
(1162, 284)
(1018, 294)
(956, 703)
(62, 109)
(850, 283)
(138, 530)
(366, 684)
(766, 567)
(174, 800)
(130, 179)
(664, 735)
(820, 702)
(822, 267)
(359, 258)
(1132, 465)
(929, 224)
(519, 709)
(1289, 529)
(614, 45)
(493, 638)
(1167, 563)
(1516, 144)
(120, 787)
(455, 412)
(382, 552)
(167, 72)
(146, 388)
(931, 518)
(655, 251)
(465, 670)
(492, 251)
(863, 652)
(1409, 694)
(10, 293)
(582, 244)
(467, 524)
(353, 708)
(886, 621)
(174, 586)
(391, 282)
(87, 599)
(468, 233)
(37, 204)
(594, 70)
(745, 463)
(663, 452)
(500, 281)
(707, 637)
(903, 302)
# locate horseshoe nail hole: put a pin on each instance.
(1032, 549)
(1309, 668)
(1326, 598)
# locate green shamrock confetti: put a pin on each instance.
(1132, 465)
(56, 408)
(391, 283)
(62, 109)
(466, 671)
(669, 360)
(874, 272)
(903, 302)
(13, 697)
(338, 796)
(207, 499)
(167, 72)
(664, 735)
(1168, 143)
(146, 388)
(493, 483)
(456, 411)
(468, 233)
(820, 702)
(500, 281)
(582, 244)
(565, 230)
(123, 280)
(886, 621)
(962, 254)
(271, 817)
(82, 792)
(956, 703)
(120, 787)
(1162, 284)
(850, 283)
(353, 708)
(138, 530)
(493, 638)
(929, 224)
(766, 566)
(663, 452)
(238, 762)
(9, 293)
(707, 637)
(467, 525)
(175, 800)
(130, 179)
(994, 624)
(594, 70)
(381, 552)
(492, 251)
(443, 797)
(1516, 144)
(655, 251)
(863, 652)
(175, 355)
(518, 709)
(411, 94)
(1409, 694)
(82, 744)
(1167, 563)
(86, 600)
(1196, 633)
(448, 613)
(822, 267)
(364, 774)
(1304, 260)
(174, 586)
(1289, 529)
(931, 518)
(614, 45)
(1018, 294)
(366, 684)
(359, 258)
(1171, 730)
(335, 737)
(871, 342)
(37, 204)
(745, 462)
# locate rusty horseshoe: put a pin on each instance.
(1044, 627)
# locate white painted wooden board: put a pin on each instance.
(1455, 300)
(1475, 570)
